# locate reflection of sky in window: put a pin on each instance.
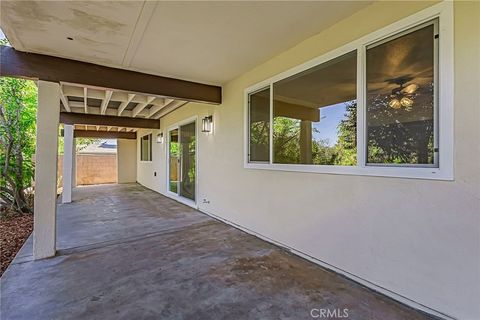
(327, 128)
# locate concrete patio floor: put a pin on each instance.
(126, 252)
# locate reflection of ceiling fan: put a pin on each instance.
(403, 95)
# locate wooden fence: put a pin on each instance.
(93, 168)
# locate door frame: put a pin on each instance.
(173, 195)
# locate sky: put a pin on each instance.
(2, 36)
(330, 118)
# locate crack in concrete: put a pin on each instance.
(109, 243)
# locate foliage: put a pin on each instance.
(286, 138)
(80, 143)
(403, 136)
(346, 148)
(398, 136)
(259, 140)
(18, 102)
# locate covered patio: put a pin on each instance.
(126, 252)
(335, 141)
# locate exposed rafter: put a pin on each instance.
(139, 108)
(108, 95)
(85, 95)
(172, 106)
(124, 104)
(64, 100)
(156, 108)
(98, 101)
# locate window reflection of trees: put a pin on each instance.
(397, 137)
(344, 152)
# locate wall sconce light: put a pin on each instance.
(160, 137)
(207, 124)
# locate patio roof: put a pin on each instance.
(205, 41)
(78, 100)
(101, 101)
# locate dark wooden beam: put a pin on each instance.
(19, 64)
(104, 134)
(112, 121)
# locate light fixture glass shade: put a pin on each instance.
(406, 102)
(410, 89)
(394, 104)
(160, 137)
(207, 124)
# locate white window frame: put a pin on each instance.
(444, 96)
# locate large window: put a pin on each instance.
(146, 148)
(374, 107)
(401, 120)
(314, 114)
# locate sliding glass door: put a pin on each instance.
(182, 160)
(174, 160)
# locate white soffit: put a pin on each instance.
(211, 42)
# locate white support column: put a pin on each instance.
(306, 141)
(74, 163)
(44, 228)
(67, 163)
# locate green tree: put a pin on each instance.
(346, 147)
(18, 102)
(399, 135)
(286, 140)
(286, 137)
(80, 143)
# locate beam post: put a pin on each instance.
(44, 228)
(67, 163)
(306, 141)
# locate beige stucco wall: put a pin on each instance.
(416, 238)
(126, 160)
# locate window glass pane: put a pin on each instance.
(145, 148)
(315, 115)
(187, 150)
(400, 99)
(259, 125)
(174, 157)
(150, 147)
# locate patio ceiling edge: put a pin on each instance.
(19, 64)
